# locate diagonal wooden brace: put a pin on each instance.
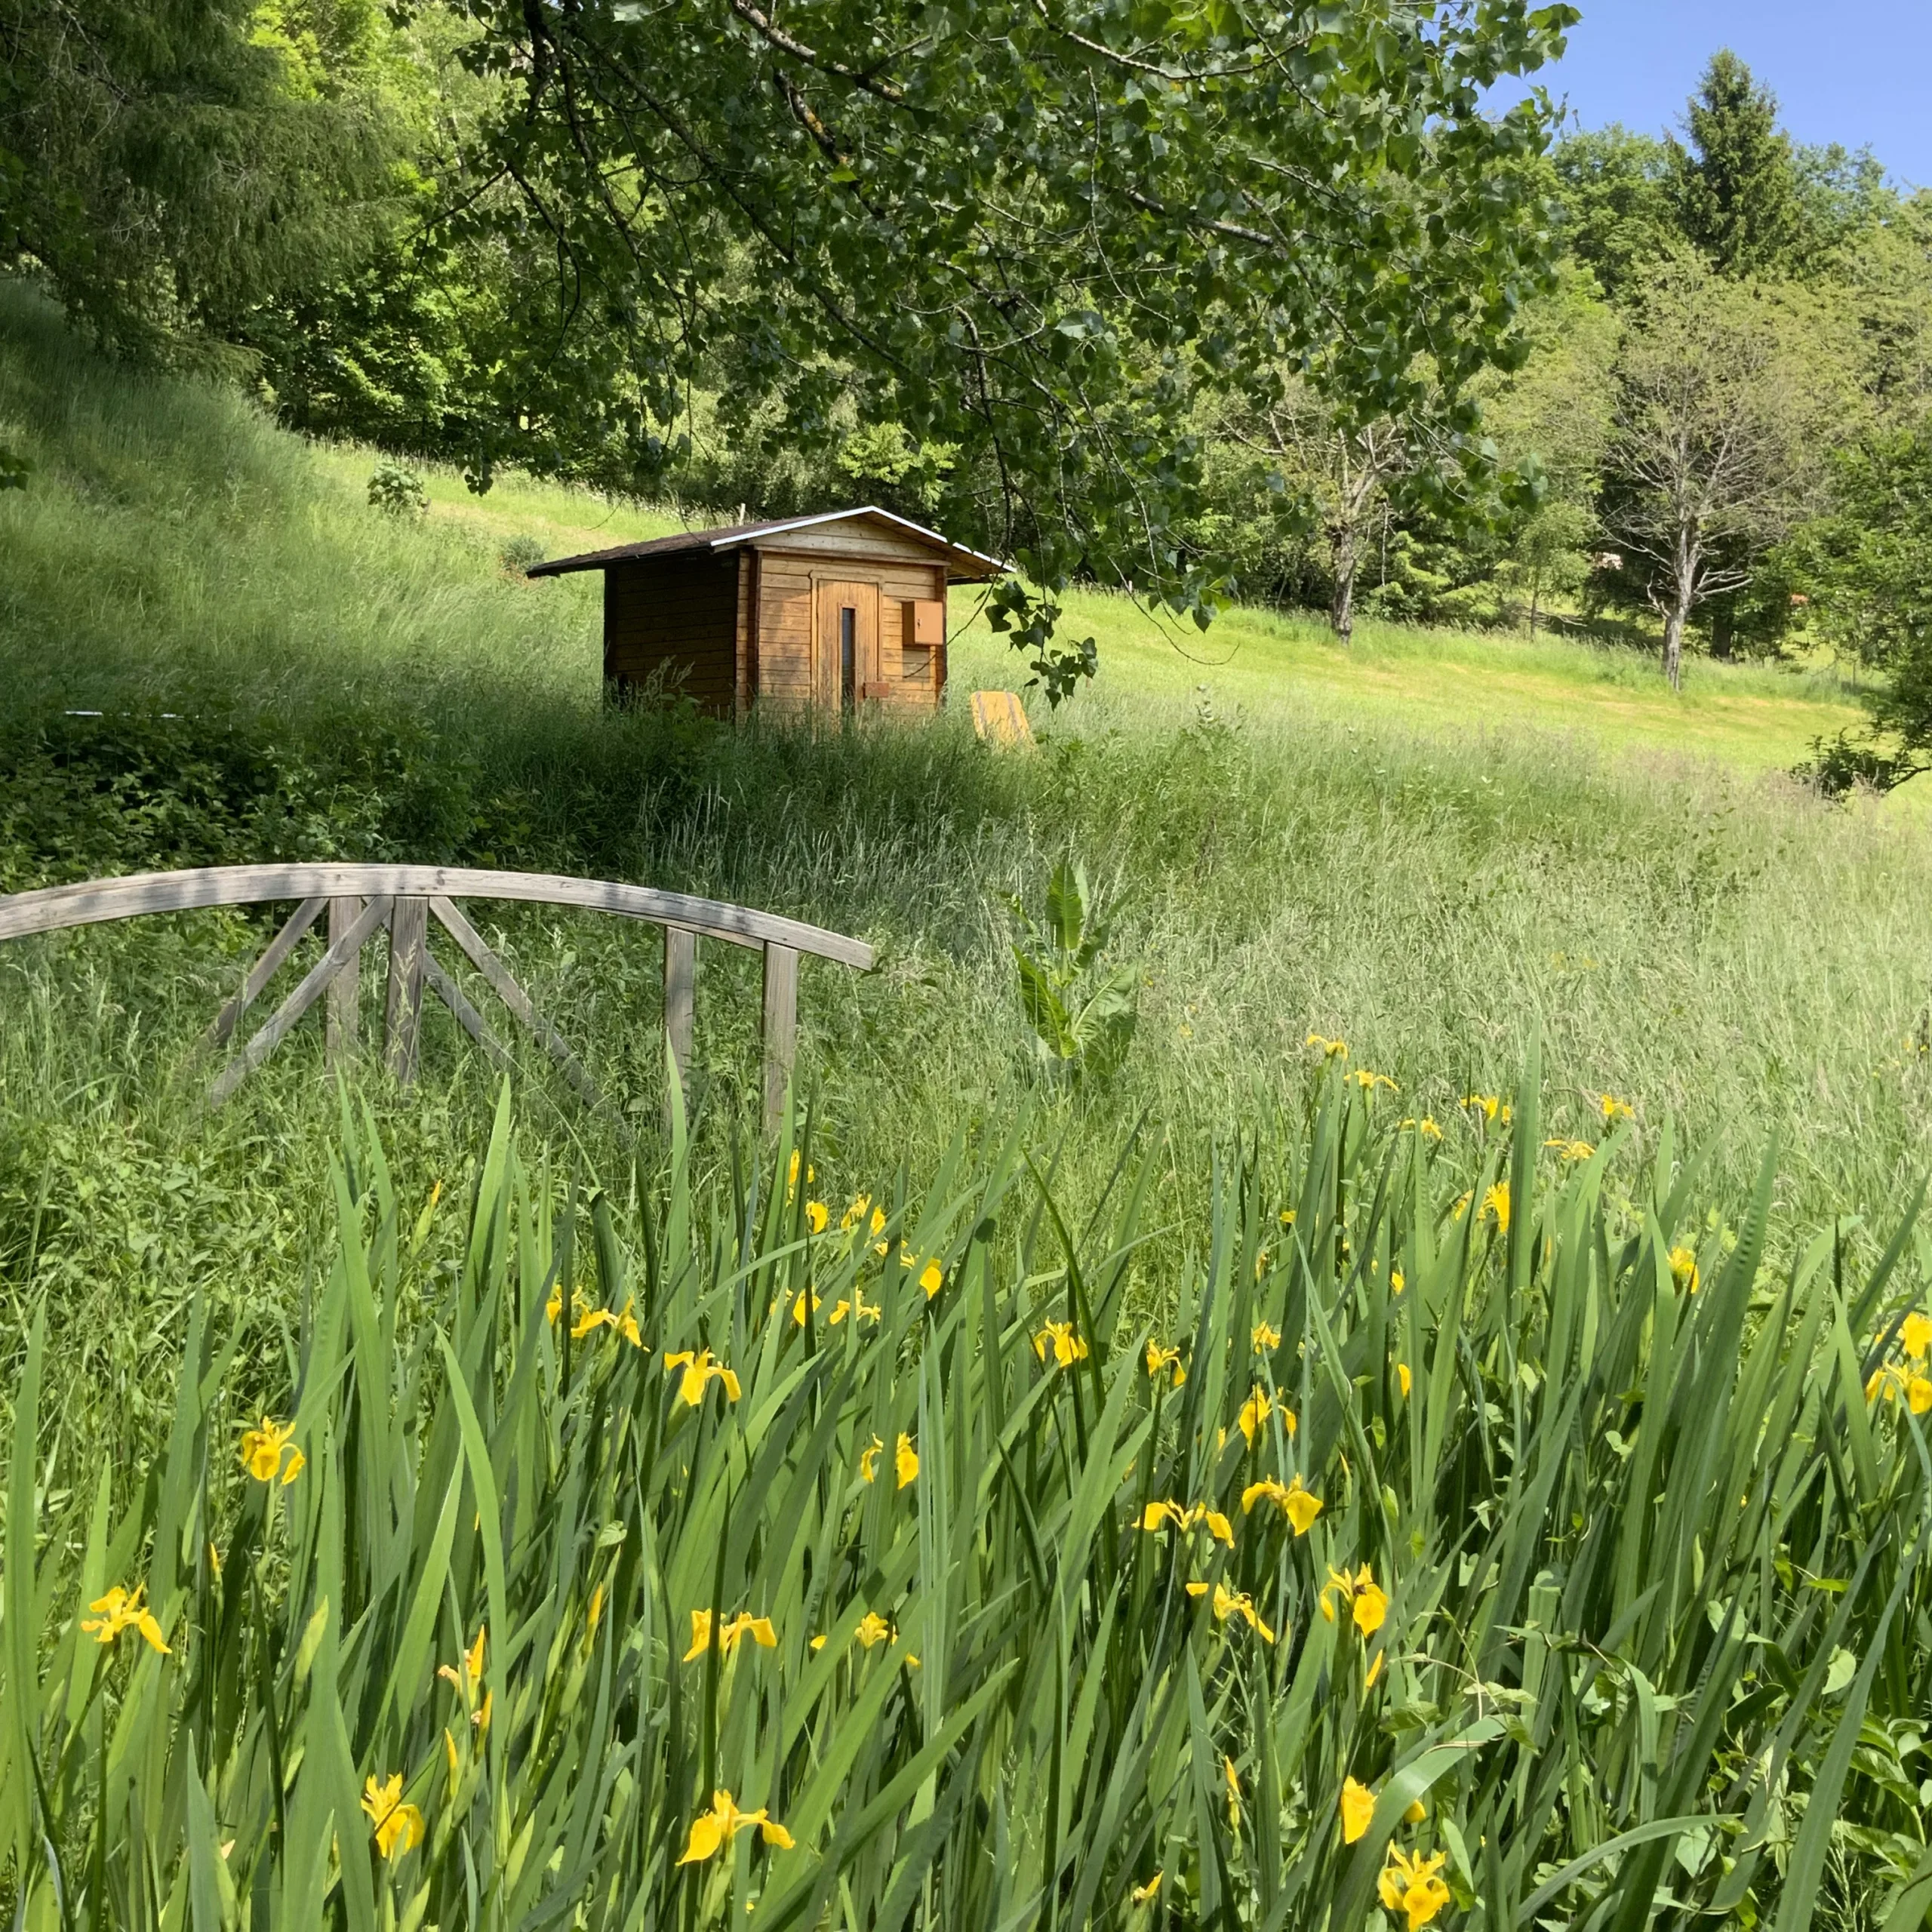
(340, 952)
(409, 946)
(436, 977)
(504, 985)
(263, 970)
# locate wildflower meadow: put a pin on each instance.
(1502, 1548)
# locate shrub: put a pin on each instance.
(1529, 1551)
(522, 554)
(398, 490)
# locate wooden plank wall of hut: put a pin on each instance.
(677, 615)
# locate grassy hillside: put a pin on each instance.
(1432, 847)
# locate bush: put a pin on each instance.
(398, 490)
(1528, 1552)
(522, 554)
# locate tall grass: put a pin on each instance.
(1711, 947)
(1633, 1560)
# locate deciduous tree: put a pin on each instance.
(1025, 229)
(1728, 398)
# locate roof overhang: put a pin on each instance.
(963, 564)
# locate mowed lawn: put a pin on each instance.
(1444, 683)
(1437, 683)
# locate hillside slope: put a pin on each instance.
(1380, 848)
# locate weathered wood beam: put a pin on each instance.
(436, 977)
(264, 970)
(780, 1027)
(344, 1014)
(341, 951)
(680, 1004)
(409, 941)
(504, 985)
(58, 907)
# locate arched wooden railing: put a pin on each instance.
(401, 900)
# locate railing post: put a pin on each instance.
(409, 939)
(781, 1025)
(345, 989)
(680, 994)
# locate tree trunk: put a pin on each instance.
(1346, 561)
(1724, 626)
(1535, 595)
(1688, 565)
(1675, 620)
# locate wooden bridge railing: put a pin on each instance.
(360, 900)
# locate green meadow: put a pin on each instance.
(1515, 1153)
(1435, 846)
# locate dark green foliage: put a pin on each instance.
(170, 163)
(397, 490)
(1000, 232)
(1868, 570)
(1618, 211)
(1082, 1006)
(1737, 183)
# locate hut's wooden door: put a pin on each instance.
(847, 653)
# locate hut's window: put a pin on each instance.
(848, 656)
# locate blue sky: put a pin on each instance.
(1858, 72)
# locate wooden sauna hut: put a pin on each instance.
(841, 611)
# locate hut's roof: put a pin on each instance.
(962, 565)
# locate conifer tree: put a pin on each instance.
(1738, 188)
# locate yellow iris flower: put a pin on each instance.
(1368, 1082)
(1403, 1376)
(1684, 1269)
(121, 1610)
(1916, 1336)
(1368, 1602)
(1411, 1885)
(1068, 1346)
(262, 1451)
(1158, 1515)
(872, 1629)
(473, 1668)
(1571, 1150)
(1296, 1503)
(625, 1324)
(731, 1631)
(1234, 1603)
(1892, 1383)
(1488, 1105)
(397, 1825)
(906, 1460)
(1160, 1359)
(1328, 1049)
(1616, 1109)
(1233, 1778)
(1265, 1338)
(1358, 1808)
(931, 1277)
(867, 1458)
(700, 1371)
(1496, 1202)
(1145, 1894)
(712, 1831)
(818, 1216)
(1258, 1408)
